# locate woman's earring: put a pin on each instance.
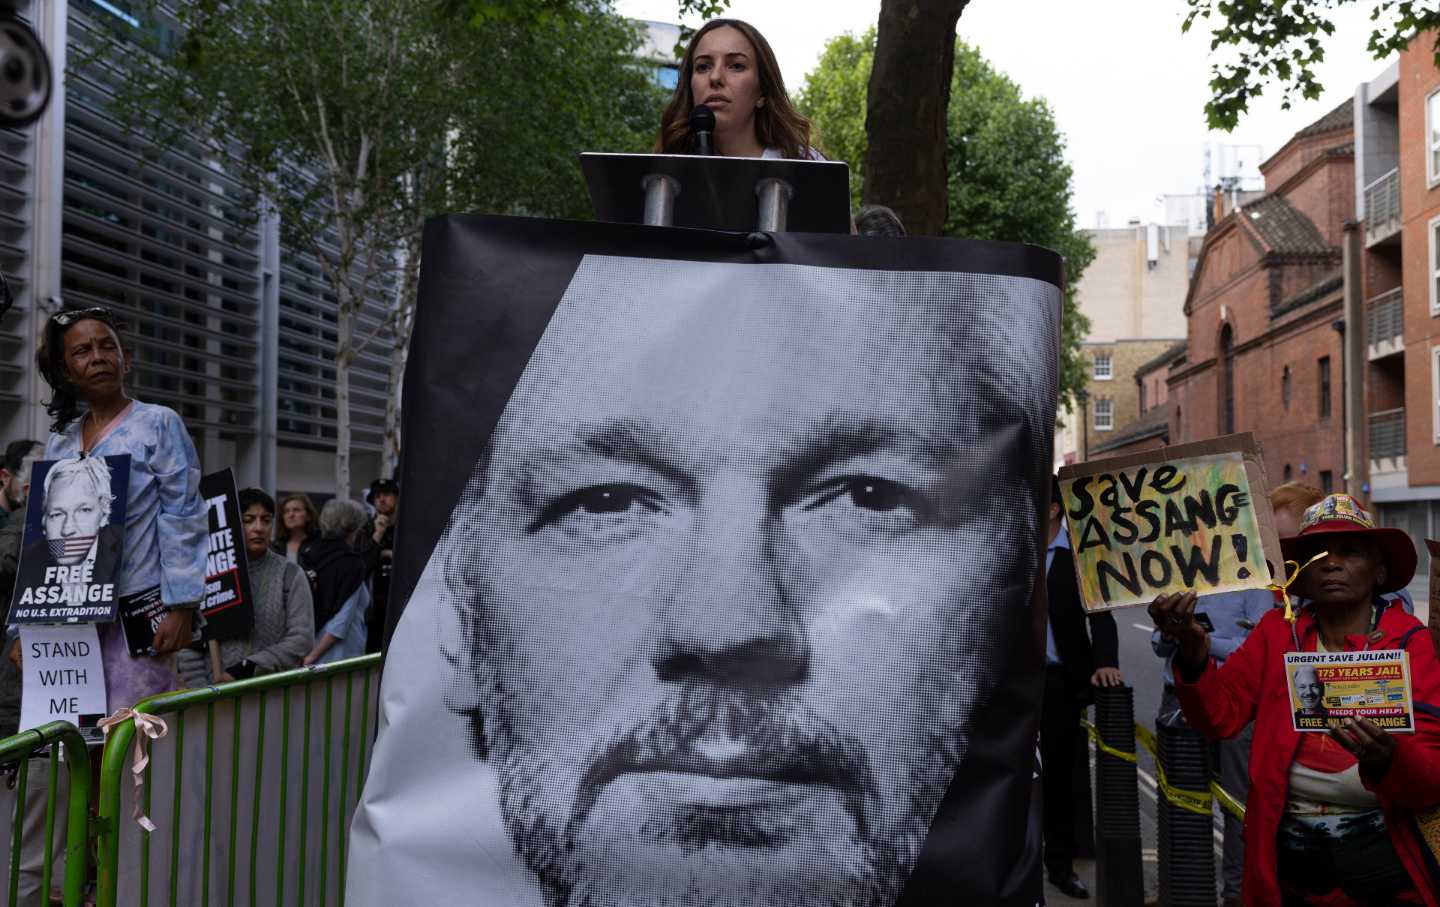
(760, 103)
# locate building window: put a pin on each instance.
(1327, 481)
(1285, 387)
(1289, 472)
(1103, 369)
(1434, 261)
(1227, 381)
(1432, 137)
(1142, 397)
(1104, 414)
(1324, 387)
(1435, 392)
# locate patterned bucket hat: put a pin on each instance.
(1340, 514)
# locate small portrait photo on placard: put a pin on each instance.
(73, 541)
(1328, 687)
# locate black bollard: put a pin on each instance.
(1119, 877)
(1186, 838)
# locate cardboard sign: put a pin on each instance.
(73, 542)
(1328, 687)
(1180, 519)
(227, 608)
(63, 675)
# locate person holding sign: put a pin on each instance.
(82, 359)
(1330, 816)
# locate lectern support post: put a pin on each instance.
(660, 192)
(774, 204)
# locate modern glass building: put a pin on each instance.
(230, 329)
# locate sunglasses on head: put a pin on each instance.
(70, 316)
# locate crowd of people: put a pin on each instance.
(319, 579)
(1331, 818)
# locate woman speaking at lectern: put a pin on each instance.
(730, 68)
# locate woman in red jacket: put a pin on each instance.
(1330, 819)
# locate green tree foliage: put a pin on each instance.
(1008, 179)
(1270, 41)
(353, 120)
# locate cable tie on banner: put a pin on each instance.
(150, 728)
(1284, 588)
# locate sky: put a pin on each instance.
(1127, 88)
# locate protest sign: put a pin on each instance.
(1193, 517)
(63, 677)
(72, 543)
(1328, 687)
(227, 609)
(631, 450)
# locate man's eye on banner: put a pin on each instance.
(744, 556)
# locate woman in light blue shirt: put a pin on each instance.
(343, 634)
(82, 359)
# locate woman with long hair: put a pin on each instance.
(82, 358)
(298, 525)
(730, 68)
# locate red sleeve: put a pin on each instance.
(1413, 779)
(1223, 700)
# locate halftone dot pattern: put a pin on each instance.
(727, 499)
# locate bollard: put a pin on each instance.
(1186, 840)
(1119, 877)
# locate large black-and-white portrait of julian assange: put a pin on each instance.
(727, 591)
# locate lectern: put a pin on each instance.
(719, 193)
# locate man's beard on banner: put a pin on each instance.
(578, 865)
(70, 550)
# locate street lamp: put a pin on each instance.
(1084, 396)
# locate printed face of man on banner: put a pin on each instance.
(726, 583)
(76, 507)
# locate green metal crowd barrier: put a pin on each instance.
(261, 775)
(56, 752)
(250, 790)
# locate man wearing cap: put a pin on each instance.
(1330, 816)
(379, 551)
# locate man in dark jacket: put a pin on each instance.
(378, 547)
(1075, 660)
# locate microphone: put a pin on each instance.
(702, 125)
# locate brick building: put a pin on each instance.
(1132, 294)
(1264, 310)
(1398, 199)
(1151, 429)
(1113, 398)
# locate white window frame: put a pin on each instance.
(1432, 264)
(1435, 393)
(1095, 360)
(1432, 172)
(1109, 410)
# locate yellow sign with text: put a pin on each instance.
(1328, 687)
(1181, 523)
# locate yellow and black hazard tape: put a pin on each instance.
(1199, 802)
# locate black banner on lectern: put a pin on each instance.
(717, 570)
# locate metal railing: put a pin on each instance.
(1387, 434)
(33, 831)
(1385, 317)
(248, 776)
(1382, 207)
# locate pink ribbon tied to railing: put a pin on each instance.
(149, 728)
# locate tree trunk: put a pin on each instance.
(399, 353)
(905, 111)
(344, 354)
